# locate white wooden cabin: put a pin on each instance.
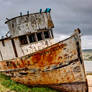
(28, 33)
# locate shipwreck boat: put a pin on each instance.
(31, 57)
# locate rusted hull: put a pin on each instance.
(72, 87)
(59, 66)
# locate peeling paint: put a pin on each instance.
(32, 23)
(56, 66)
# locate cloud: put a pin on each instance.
(67, 15)
(86, 41)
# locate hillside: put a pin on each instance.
(87, 54)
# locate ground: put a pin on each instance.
(89, 78)
(87, 55)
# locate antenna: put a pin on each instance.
(47, 10)
(28, 13)
(40, 10)
(7, 19)
(20, 13)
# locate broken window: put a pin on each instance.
(12, 25)
(39, 36)
(23, 40)
(46, 34)
(32, 38)
(3, 43)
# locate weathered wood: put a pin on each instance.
(14, 48)
(7, 51)
(24, 24)
(59, 66)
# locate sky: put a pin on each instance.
(67, 15)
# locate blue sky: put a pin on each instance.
(66, 14)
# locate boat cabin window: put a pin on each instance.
(12, 25)
(23, 40)
(39, 36)
(46, 34)
(32, 38)
(3, 43)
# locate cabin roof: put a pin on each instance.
(23, 15)
(5, 38)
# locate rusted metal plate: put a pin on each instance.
(54, 75)
(71, 87)
(32, 23)
(57, 66)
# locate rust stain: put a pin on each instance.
(48, 56)
(40, 59)
(55, 76)
(50, 24)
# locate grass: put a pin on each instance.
(7, 83)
